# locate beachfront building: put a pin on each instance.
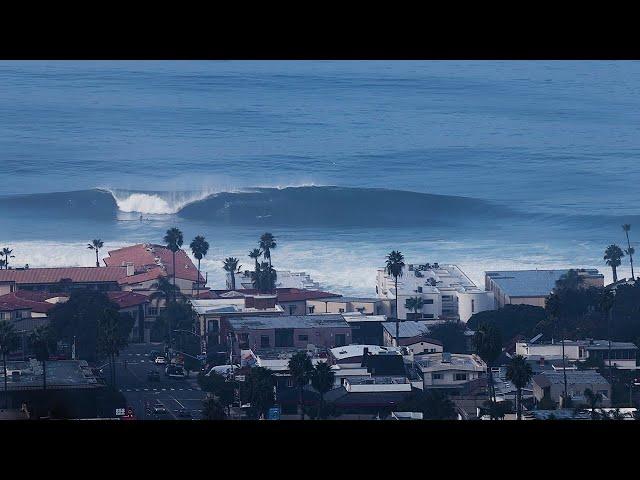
(446, 291)
(286, 279)
(532, 287)
(623, 354)
(146, 263)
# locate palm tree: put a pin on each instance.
(519, 373)
(96, 245)
(301, 368)
(488, 345)
(231, 266)
(255, 254)
(41, 339)
(6, 253)
(264, 278)
(594, 399)
(415, 304)
(630, 250)
(173, 238)
(199, 247)
(613, 258)
(8, 343)
(322, 379)
(394, 267)
(267, 243)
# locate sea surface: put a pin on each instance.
(489, 165)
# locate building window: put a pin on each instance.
(340, 339)
(152, 311)
(341, 310)
(303, 338)
(18, 314)
(460, 377)
(312, 308)
(436, 376)
(419, 289)
(264, 341)
(428, 301)
(292, 308)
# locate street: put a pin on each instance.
(174, 394)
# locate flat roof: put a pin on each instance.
(530, 283)
(228, 305)
(349, 299)
(407, 328)
(453, 361)
(349, 351)
(291, 321)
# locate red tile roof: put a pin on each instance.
(151, 274)
(23, 299)
(145, 254)
(284, 294)
(55, 275)
(127, 299)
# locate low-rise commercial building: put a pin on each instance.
(532, 287)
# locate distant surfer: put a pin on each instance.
(140, 217)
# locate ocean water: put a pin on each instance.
(490, 165)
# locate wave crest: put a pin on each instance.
(154, 203)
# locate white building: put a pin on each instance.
(623, 354)
(446, 291)
(447, 370)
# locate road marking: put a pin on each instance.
(137, 354)
(146, 389)
(142, 361)
(173, 389)
(164, 389)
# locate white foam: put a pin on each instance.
(155, 203)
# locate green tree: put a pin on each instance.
(76, 320)
(322, 379)
(613, 258)
(594, 399)
(260, 384)
(415, 304)
(174, 317)
(8, 344)
(553, 305)
(630, 250)
(255, 254)
(96, 245)
(174, 239)
(264, 278)
(231, 266)
(452, 336)
(2, 263)
(606, 303)
(267, 243)
(213, 409)
(571, 280)
(519, 373)
(394, 267)
(300, 368)
(222, 388)
(6, 253)
(42, 343)
(113, 335)
(512, 320)
(488, 345)
(434, 405)
(199, 247)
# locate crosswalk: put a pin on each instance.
(195, 389)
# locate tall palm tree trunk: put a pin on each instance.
(6, 389)
(609, 335)
(564, 372)
(198, 281)
(97, 261)
(397, 319)
(633, 277)
(615, 273)
(174, 276)
(519, 400)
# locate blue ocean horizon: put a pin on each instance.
(489, 165)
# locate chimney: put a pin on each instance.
(130, 269)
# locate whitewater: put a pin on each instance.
(490, 165)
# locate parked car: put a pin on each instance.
(160, 360)
(153, 376)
